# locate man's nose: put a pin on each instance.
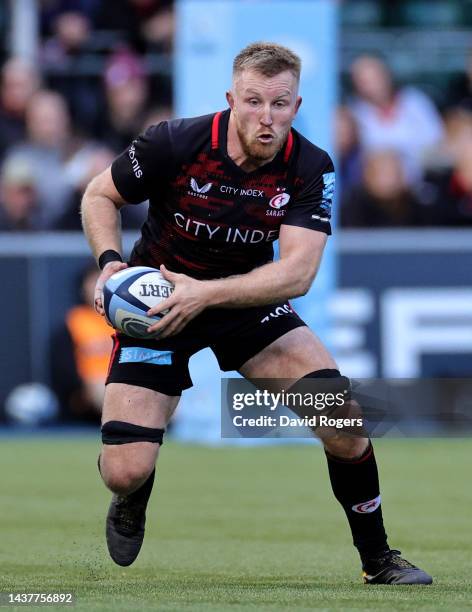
(266, 116)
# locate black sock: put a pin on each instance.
(355, 485)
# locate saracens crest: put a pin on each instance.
(279, 200)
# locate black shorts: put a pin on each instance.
(234, 335)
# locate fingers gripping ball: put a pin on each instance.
(129, 294)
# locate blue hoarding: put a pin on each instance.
(209, 35)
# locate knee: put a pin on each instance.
(123, 477)
(129, 455)
(345, 447)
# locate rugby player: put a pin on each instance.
(221, 189)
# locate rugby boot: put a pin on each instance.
(125, 523)
(390, 568)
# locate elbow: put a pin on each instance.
(304, 283)
(301, 288)
(93, 185)
(305, 289)
(89, 192)
(98, 192)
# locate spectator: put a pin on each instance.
(448, 191)
(81, 351)
(18, 197)
(140, 23)
(91, 161)
(71, 33)
(156, 115)
(159, 29)
(81, 172)
(126, 90)
(460, 89)
(384, 198)
(46, 147)
(457, 132)
(400, 119)
(349, 166)
(50, 10)
(63, 55)
(18, 83)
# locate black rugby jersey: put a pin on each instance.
(207, 217)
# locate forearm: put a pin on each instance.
(270, 283)
(101, 222)
(291, 276)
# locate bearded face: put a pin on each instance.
(263, 109)
(261, 146)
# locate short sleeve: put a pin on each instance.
(311, 205)
(136, 170)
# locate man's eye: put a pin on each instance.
(280, 104)
(253, 102)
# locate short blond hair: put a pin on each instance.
(269, 59)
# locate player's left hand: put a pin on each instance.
(188, 300)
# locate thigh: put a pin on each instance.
(139, 406)
(293, 355)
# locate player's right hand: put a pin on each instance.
(110, 268)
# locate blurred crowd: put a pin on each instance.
(401, 161)
(63, 119)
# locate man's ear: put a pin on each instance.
(298, 104)
(230, 99)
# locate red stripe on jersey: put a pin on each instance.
(288, 147)
(116, 344)
(292, 308)
(215, 126)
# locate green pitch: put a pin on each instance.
(234, 529)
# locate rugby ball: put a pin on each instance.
(128, 295)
